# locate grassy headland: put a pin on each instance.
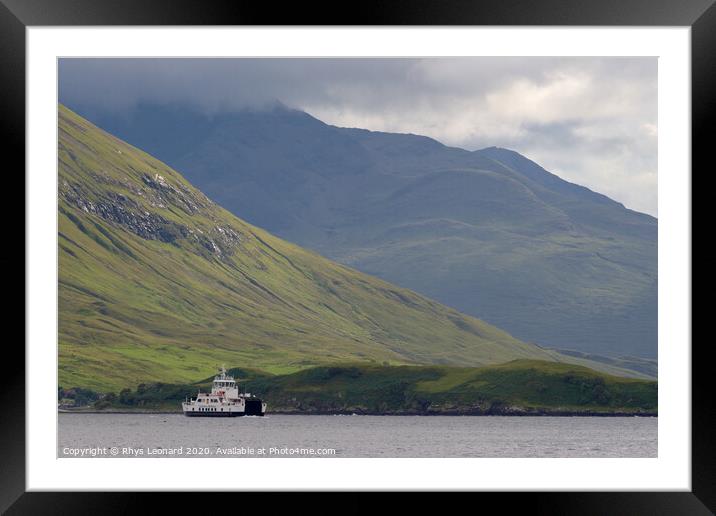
(520, 387)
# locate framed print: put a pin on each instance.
(433, 247)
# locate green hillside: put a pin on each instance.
(158, 283)
(517, 387)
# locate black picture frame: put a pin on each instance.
(17, 15)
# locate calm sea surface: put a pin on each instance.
(152, 435)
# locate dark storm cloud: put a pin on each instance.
(213, 84)
(590, 120)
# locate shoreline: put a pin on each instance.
(541, 413)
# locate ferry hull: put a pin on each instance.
(213, 414)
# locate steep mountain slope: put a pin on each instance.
(158, 283)
(489, 232)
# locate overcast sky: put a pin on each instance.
(592, 121)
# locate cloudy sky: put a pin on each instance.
(592, 121)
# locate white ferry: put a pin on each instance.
(224, 400)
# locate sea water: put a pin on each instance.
(174, 435)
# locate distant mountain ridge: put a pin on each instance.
(157, 283)
(488, 232)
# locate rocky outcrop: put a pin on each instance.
(164, 194)
(123, 210)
